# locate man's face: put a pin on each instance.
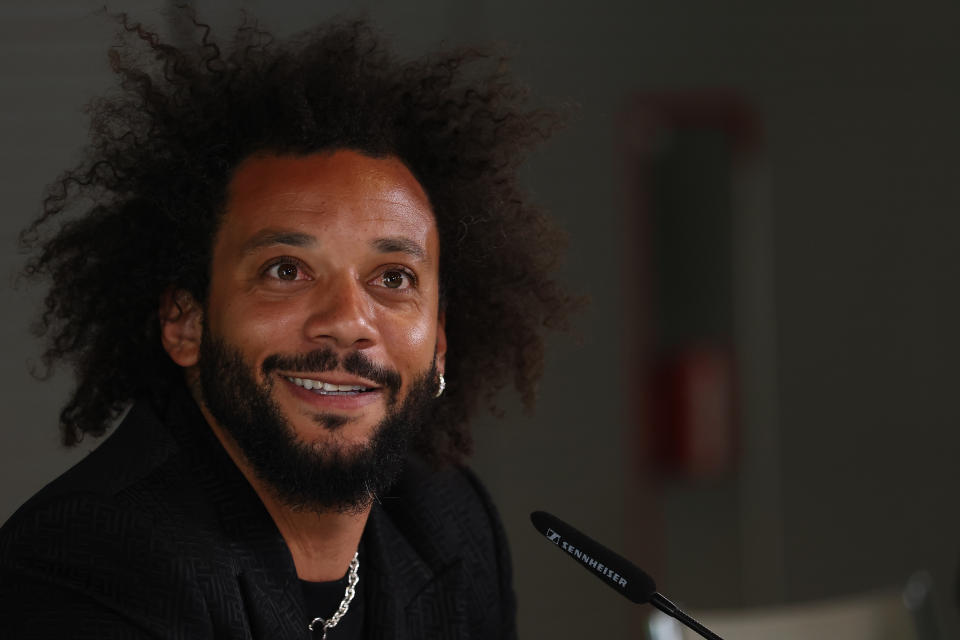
(324, 297)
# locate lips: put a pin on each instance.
(336, 393)
(311, 371)
(327, 388)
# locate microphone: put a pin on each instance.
(613, 570)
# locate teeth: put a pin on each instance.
(306, 383)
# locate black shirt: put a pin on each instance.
(322, 599)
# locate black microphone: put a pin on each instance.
(615, 571)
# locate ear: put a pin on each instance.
(441, 342)
(181, 326)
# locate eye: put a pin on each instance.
(395, 278)
(285, 269)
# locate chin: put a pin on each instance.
(314, 457)
(348, 440)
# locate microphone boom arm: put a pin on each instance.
(674, 611)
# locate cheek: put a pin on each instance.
(413, 342)
(417, 334)
(258, 330)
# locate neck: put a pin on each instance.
(322, 544)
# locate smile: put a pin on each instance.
(327, 389)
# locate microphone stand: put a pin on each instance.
(674, 611)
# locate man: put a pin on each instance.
(304, 265)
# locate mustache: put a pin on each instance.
(326, 359)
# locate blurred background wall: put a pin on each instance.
(841, 287)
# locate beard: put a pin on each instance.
(322, 477)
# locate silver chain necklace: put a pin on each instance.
(353, 578)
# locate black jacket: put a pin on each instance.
(158, 534)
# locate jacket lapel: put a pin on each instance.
(406, 597)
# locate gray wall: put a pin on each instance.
(847, 273)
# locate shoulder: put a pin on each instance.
(117, 483)
(449, 505)
(95, 540)
(453, 486)
(139, 447)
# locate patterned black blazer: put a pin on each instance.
(156, 534)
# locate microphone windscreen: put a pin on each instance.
(616, 572)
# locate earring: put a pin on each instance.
(443, 385)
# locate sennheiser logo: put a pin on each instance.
(582, 556)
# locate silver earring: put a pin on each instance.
(443, 385)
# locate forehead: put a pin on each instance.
(326, 192)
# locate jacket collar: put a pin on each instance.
(407, 598)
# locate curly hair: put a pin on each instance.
(138, 215)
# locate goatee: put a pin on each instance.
(321, 477)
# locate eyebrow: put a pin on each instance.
(399, 245)
(270, 237)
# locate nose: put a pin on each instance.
(341, 313)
